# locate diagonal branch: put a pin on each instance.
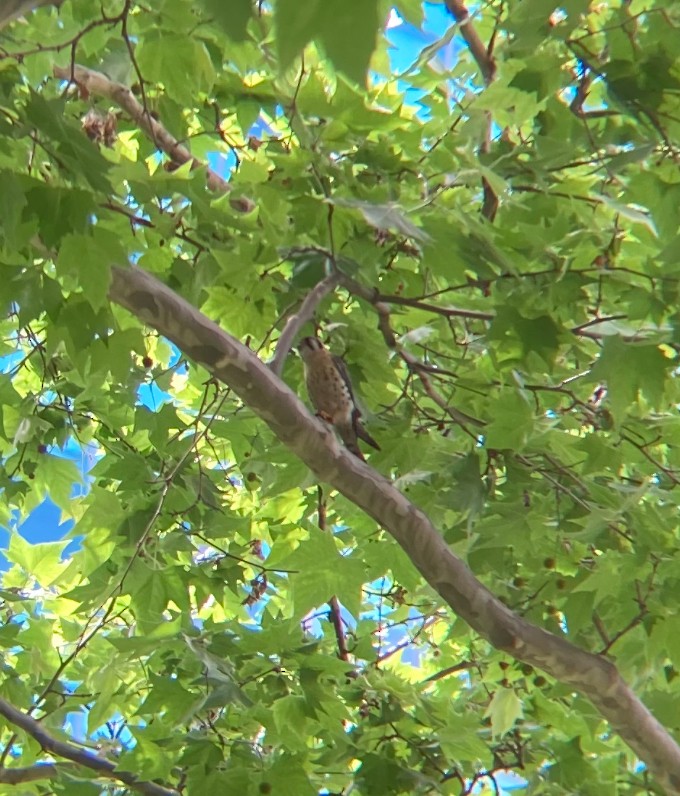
(487, 65)
(100, 85)
(296, 321)
(485, 60)
(268, 397)
(69, 751)
(15, 776)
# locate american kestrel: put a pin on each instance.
(330, 391)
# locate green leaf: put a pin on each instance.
(41, 561)
(389, 218)
(637, 214)
(534, 335)
(347, 31)
(181, 63)
(232, 17)
(290, 718)
(58, 211)
(58, 478)
(288, 772)
(504, 710)
(512, 422)
(630, 371)
(79, 254)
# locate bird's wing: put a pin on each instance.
(341, 366)
(359, 430)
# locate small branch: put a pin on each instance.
(296, 321)
(601, 629)
(15, 776)
(667, 471)
(69, 751)
(487, 65)
(455, 669)
(484, 59)
(580, 97)
(338, 626)
(100, 85)
(490, 204)
(447, 312)
(634, 622)
(334, 609)
(582, 330)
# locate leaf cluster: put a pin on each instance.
(189, 625)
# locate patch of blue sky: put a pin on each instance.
(224, 163)
(11, 361)
(408, 41)
(151, 396)
(409, 44)
(44, 522)
(114, 735)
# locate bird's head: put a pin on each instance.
(308, 345)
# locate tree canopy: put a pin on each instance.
(490, 237)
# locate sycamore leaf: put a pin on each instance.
(346, 30)
(233, 17)
(630, 371)
(168, 59)
(386, 217)
(41, 561)
(635, 213)
(504, 710)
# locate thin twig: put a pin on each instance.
(458, 667)
(413, 363)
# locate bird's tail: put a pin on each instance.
(349, 440)
(364, 435)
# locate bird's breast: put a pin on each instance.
(329, 394)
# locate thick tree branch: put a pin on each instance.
(103, 767)
(100, 85)
(272, 400)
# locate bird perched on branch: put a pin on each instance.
(330, 391)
